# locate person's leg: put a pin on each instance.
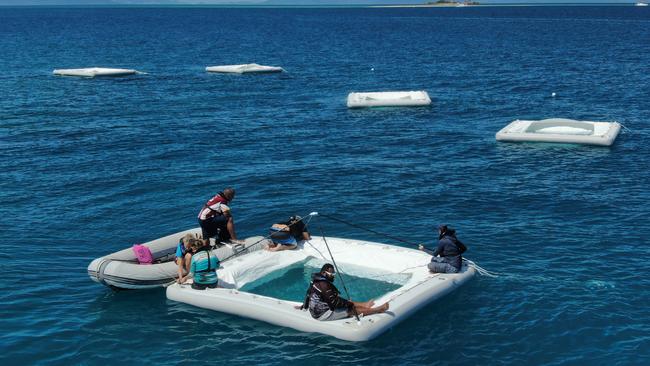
(281, 247)
(370, 310)
(442, 267)
(367, 304)
(208, 229)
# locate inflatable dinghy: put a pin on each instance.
(561, 130)
(414, 286)
(92, 72)
(244, 69)
(389, 99)
(121, 269)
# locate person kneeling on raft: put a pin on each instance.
(184, 255)
(286, 235)
(215, 218)
(325, 303)
(447, 257)
(203, 267)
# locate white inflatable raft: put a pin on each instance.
(92, 72)
(121, 269)
(389, 99)
(418, 287)
(561, 130)
(244, 69)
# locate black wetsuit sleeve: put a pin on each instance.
(439, 248)
(461, 247)
(330, 295)
(428, 251)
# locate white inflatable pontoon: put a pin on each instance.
(561, 130)
(121, 269)
(389, 99)
(244, 69)
(407, 267)
(92, 72)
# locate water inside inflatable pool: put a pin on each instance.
(291, 282)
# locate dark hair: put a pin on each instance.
(327, 267)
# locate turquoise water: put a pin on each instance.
(291, 283)
(89, 167)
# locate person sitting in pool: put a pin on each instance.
(286, 235)
(447, 257)
(203, 267)
(184, 255)
(325, 303)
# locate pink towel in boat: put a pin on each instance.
(143, 253)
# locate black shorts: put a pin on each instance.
(216, 226)
(200, 286)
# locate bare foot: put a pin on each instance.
(384, 308)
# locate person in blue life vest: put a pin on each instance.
(286, 235)
(215, 218)
(203, 267)
(184, 255)
(325, 303)
(447, 256)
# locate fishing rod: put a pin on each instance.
(354, 308)
(369, 230)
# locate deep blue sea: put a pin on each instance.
(91, 166)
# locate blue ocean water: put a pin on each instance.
(90, 166)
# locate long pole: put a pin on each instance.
(354, 308)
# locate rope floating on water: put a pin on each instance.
(480, 270)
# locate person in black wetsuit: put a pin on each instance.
(447, 257)
(325, 303)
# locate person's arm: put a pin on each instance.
(306, 235)
(438, 249)
(332, 298)
(424, 249)
(181, 265)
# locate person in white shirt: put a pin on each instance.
(216, 219)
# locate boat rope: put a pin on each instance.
(626, 129)
(347, 293)
(480, 270)
(369, 230)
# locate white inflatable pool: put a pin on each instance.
(92, 72)
(244, 68)
(561, 130)
(389, 99)
(419, 289)
(121, 269)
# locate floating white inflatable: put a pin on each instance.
(407, 267)
(561, 130)
(389, 99)
(244, 68)
(92, 72)
(122, 270)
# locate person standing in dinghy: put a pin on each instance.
(447, 257)
(216, 219)
(325, 303)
